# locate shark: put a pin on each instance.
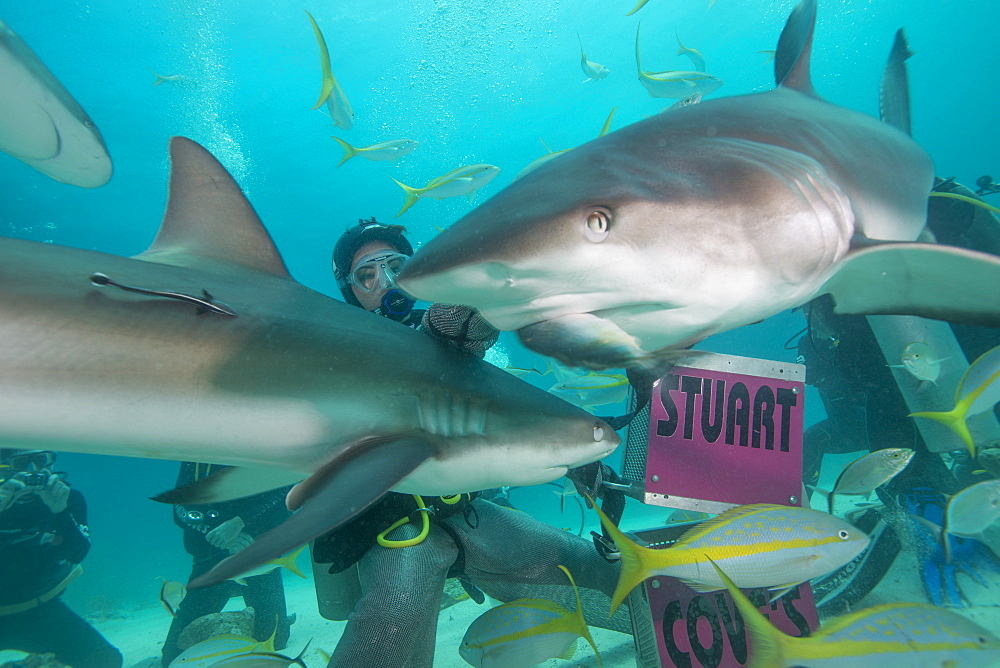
(204, 348)
(41, 124)
(633, 247)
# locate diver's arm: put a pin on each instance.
(70, 526)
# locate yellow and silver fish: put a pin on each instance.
(330, 91)
(971, 511)
(915, 635)
(978, 392)
(590, 68)
(383, 151)
(762, 545)
(674, 84)
(593, 389)
(920, 360)
(287, 562)
(171, 595)
(209, 652)
(262, 660)
(865, 474)
(461, 181)
(538, 162)
(526, 632)
(697, 60)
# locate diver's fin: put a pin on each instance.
(791, 58)
(929, 280)
(232, 483)
(209, 217)
(894, 89)
(334, 494)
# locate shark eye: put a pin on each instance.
(598, 434)
(598, 224)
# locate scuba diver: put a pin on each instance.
(866, 411)
(212, 533)
(43, 539)
(385, 571)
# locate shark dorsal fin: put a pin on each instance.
(791, 59)
(209, 217)
(894, 89)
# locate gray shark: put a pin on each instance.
(204, 348)
(40, 122)
(635, 246)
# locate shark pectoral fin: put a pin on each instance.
(929, 280)
(27, 132)
(232, 483)
(583, 339)
(333, 495)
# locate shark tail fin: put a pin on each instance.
(954, 420)
(412, 194)
(894, 88)
(791, 59)
(349, 151)
(769, 644)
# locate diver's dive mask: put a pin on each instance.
(377, 271)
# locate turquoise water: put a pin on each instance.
(472, 82)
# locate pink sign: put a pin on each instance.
(695, 629)
(728, 433)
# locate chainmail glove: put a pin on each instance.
(461, 327)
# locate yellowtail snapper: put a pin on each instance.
(461, 181)
(762, 545)
(865, 474)
(526, 632)
(210, 652)
(262, 660)
(382, 152)
(915, 635)
(978, 392)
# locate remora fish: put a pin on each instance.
(41, 124)
(912, 634)
(286, 383)
(762, 545)
(637, 245)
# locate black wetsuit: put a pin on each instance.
(38, 550)
(264, 593)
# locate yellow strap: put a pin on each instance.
(425, 527)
